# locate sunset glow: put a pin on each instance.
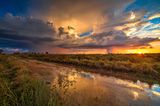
(81, 26)
(79, 52)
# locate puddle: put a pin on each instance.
(95, 90)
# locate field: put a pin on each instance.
(21, 85)
(24, 78)
(144, 67)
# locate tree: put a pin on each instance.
(1, 51)
(46, 53)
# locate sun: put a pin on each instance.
(137, 51)
(140, 53)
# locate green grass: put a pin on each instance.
(17, 88)
(146, 65)
(130, 63)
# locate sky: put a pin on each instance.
(80, 26)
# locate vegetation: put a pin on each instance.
(145, 67)
(17, 88)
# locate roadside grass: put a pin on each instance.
(147, 65)
(17, 88)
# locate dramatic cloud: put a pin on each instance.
(83, 15)
(76, 26)
(25, 31)
(110, 39)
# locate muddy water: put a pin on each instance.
(87, 89)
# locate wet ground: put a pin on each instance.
(89, 89)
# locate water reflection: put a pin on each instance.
(156, 88)
(136, 95)
(87, 75)
(96, 90)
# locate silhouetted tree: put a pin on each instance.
(17, 53)
(1, 51)
(46, 53)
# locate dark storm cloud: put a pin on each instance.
(110, 39)
(17, 29)
(108, 21)
(5, 43)
(7, 34)
(26, 26)
(37, 33)
(118, 38)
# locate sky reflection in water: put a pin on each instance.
(86, 85)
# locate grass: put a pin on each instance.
(17, 88)
(145, 67)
